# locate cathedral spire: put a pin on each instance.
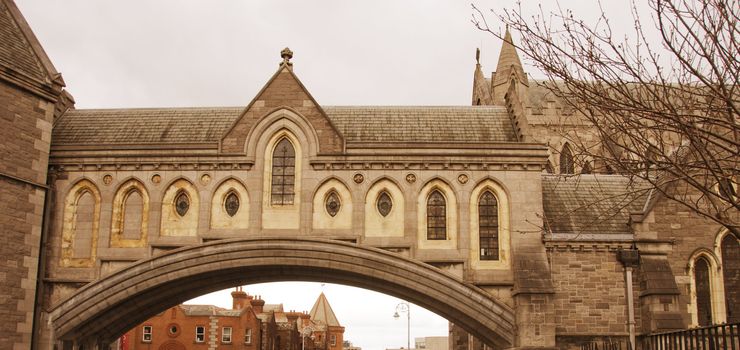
(509, 63)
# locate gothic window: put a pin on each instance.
(731, 276)
(384, 203)
(332, 203)
(132, 215)
(182, 203)
(231, 204)
(488, 226)
(84, 226)
(566, 160)
(703, 292)
(436, 216)
(283, 173)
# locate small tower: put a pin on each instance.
(508, 71)
(481, 86)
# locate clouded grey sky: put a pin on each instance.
(143, 53)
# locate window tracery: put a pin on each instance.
(182, 203)
(283, 173)
(231, 203)
(384, 203)
(566, 160)
(332, 203)
(488, 226)
(436, 216)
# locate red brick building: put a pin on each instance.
(249, 325)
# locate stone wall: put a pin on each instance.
(25, 128)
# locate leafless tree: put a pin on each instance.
(666, 114)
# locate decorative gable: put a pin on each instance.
(284, 91)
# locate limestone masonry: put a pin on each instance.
(111, 216)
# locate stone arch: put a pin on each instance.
(220, 219)
(504, 223)
(105, 309)
(343, 218)
(172, 223)
(377, 225)
(81, 216)
(120, 212)
(716, 291)
(282, 118)
(452, 215)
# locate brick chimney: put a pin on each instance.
(257, 305)
(239, 299)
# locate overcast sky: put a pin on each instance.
(143, 53)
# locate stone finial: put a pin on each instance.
(286, 54)
(477, 55)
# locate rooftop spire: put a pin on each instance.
(322, 312)
(508, 62)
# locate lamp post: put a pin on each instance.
(405, 307)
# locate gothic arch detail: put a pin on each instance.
(282, 181)
(707, 304)
(332, 196)
(431, 192)
(502, 214)
(81, 225)
(177, 220)
(130, 216)
(567, 166)
(377, 224)
(230, 206)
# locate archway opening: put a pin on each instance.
(103, 310)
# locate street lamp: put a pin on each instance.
(405, 307)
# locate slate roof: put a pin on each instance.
(322, 313)
(364, 124)
(469, 124)
(143, 125)
(15, 50)
(591, 204)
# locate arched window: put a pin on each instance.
(703, 292)
(488, 226)
(731, 276)
(231, 203)
(385, 204)
(566, 160)
(283, 173)
(436, 216)
(182, 203)
(332, 203)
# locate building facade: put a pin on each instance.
(463, 195)
(249, 325)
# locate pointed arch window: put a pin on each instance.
(436, 216)
(182, 203)
(332, 203)
(566, 160)
(231, 203)
(385, 204)
(488, 226)
(731, 276)
(283, 173)
(703, 292)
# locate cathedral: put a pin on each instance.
(477, 212)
